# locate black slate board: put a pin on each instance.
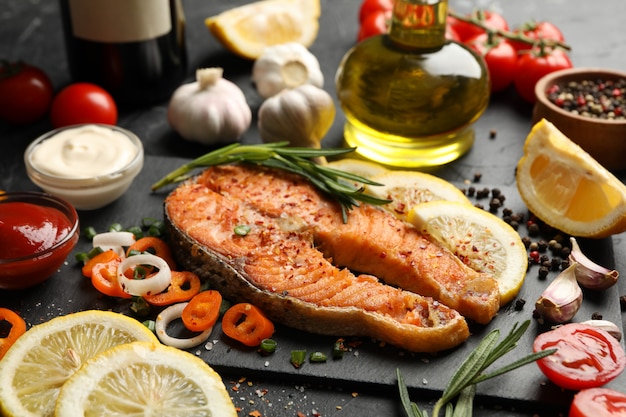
(368, 365)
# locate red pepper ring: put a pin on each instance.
(247, 324)
(202, 311)
(184, 286)
(18, 328)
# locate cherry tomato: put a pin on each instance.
(500, 57)
(25, 93)
(467, 30)
(83, 103)
(535, 31)
(374, 24)
(586, 357)
(598, 402)
(533, 65)
(373, 6)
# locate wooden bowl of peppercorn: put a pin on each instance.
(589, 106)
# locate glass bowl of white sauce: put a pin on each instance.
(89, 165)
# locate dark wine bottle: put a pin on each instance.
(135, 49)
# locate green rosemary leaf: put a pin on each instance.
(465, 404)
(514, 365)
(298, 160)
(410, 408)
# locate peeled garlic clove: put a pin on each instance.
(608, 326)
(561, 300)
(589, 274)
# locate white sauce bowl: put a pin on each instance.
(89, 165)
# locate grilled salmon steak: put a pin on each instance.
(297, 260)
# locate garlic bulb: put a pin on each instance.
(589, 274)
(283, 66)
(210, 110)
(300, 116)
(561, 300)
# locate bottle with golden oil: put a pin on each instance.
(410, 96)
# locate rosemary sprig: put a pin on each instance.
(471, 372)
(298, 160)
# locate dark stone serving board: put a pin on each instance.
(368, 365)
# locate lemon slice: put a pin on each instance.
(247, 30)
(480, 239)
(568, 189)
(42, 359)
(358, 167)
(145, 379)
(408, 188)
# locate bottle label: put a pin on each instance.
(120, 20)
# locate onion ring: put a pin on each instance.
(154, 284)
(114, 241)
(170, 314)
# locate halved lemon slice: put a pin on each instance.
(568, 189)
(480, 239)
(145, 379)
(42, 359)
(247, 30)
(358, 167)
(408, 188)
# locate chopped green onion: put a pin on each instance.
(268, 346)
(317, 357)
(136, 230)
(155, 227)
(242, 230)
(116, 227)
(150, 324)
(89, 232)
(140, 306)
(298, 357)
(82, 257)
(338, 349)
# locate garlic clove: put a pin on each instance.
(589, 274)
(606, 325)
(561, 300)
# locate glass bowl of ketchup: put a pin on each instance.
(37, 233)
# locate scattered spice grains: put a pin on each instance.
(602, 99)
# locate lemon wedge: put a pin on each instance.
(145, 379)
(480, 239)
(408, 188)
(35, 368)
(247, 30)
(568, 189)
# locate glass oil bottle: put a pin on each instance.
(410, 96)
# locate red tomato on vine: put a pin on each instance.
(500, 57)
(467, 30)
(535, 64)
(536, 31)
(25, 93)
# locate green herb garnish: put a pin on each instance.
(463, 382)
(298, 160)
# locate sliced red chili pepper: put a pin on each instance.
(104, 279)
(156, 246)
(184, 286)
(18, 328)
(247, 324)
(103, 257)
(202, 311)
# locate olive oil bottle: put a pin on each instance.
(410, 97)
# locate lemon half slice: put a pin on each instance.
(247, 30)
(145, 379)
(42, 359)
(480, 239)
(568, 189)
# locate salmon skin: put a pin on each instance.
(283, 263)
(373, 241)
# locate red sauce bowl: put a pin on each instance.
(37, 233)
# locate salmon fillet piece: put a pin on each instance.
(373, 241)
(277, 267)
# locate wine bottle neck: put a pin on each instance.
(419, 23)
